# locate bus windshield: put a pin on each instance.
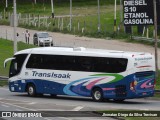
(16, 64)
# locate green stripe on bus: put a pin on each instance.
(117, 77)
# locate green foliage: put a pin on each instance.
(84, 13)
(158, 82)
(3, 83)
(4, 22)
(28, 5)
(6, 51)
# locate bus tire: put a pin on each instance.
(97, 94)
(31, 90)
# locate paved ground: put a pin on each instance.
(10, 101)
(73, 41)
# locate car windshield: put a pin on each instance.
(43, 35)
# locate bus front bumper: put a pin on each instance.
(17, 86)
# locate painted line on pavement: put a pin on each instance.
(19, 110)
(50, 110)
(5, 106)
(78, 108)
(29, 102)
(32, 103)
(47, 118)
(65, 118)
(17, 106)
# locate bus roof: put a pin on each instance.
(79, 51)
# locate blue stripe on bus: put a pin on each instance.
(68, 86)
(109, 89)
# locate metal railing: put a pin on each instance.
(3, 78)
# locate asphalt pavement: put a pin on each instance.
(20, 102)
(10, 101)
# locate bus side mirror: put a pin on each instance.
(5, 62)
(5, 65)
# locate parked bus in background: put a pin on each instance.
(100, 74)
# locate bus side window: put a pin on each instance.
(77, 63)
(33, 62)
(83, 64)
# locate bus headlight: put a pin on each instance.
(12, 88)
(131, 88)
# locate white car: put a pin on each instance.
(42, 39)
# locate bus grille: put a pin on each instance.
(143, 74)
(121, 91)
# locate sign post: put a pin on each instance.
(156, 38)
(99, 21)
(15, 25)
(115, 16)
(52, 8)
(70, 15)
(6, 3)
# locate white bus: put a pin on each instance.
(100, 74)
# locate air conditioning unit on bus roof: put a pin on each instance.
(79, 49)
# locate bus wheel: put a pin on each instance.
(31, 90)
(97, 94)
(119, 100)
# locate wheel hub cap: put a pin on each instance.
(97, 95)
